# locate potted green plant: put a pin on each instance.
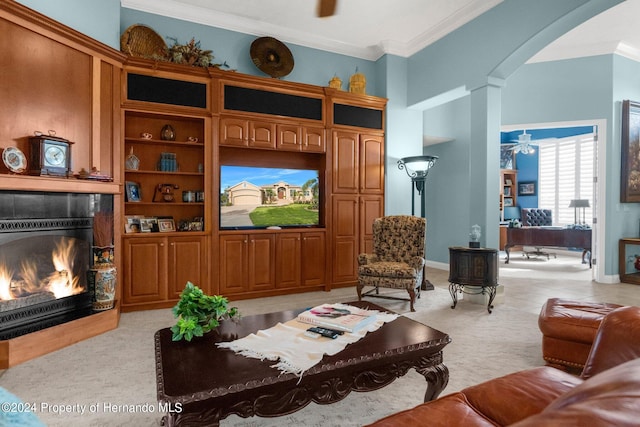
(199, 313)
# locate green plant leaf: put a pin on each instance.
(198, 313)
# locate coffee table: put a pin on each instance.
(199, 384)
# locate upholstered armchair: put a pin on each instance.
(397, 260)
(536, 217)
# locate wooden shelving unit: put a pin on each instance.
(508, 189)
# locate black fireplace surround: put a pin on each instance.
(33, 226)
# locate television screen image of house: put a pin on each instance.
(261, 197)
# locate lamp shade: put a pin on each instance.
(579, 203)
(417, 163)
(511, 212)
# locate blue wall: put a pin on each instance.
(449, 187)
(81, 15)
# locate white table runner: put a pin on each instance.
(294, 351)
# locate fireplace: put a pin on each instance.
(43, 273)
(45, 253)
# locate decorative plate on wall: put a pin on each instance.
(271, 56)
(140, 40)
(14, 159)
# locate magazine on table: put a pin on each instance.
(336, 317)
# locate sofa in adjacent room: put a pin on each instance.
(606, 393)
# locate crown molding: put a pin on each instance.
(558, 53)
(628, 51)
(456, 20)
(205, 16)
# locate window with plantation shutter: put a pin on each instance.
(566, 172)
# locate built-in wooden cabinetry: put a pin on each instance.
(267, 261)
(357, 184)
(247, 263)
(247, 133)
(157, 267)
(247, 121)
(157, 264)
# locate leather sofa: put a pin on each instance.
(607, 392)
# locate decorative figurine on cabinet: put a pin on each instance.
(165, 192)
(474, 236)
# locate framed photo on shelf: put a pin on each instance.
(132, 191)
(508, 201)
(507, 191)
(166, 225)
(132, 225)
(197, 224)
(527, 188)
(146, 224)
(508, 181)
(630, 162)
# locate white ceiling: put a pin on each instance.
(368, 29)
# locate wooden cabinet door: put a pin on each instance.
(371, 207)
(289, 137)
(261, 258)
(187, 263)
(371, 154)
(313, 139)
(262, 134)
(288, 260)
(234, 276)
(145, 270)
(234, 132)
(345, 238)
(313, 259)
(345, 162)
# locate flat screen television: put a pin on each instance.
(268, 197)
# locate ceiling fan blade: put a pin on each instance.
(326, 8)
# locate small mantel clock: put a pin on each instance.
(49, 155)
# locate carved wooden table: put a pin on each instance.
(201, 384)
(477, 267)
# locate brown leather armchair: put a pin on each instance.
(607, 393)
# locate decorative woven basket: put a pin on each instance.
(140, 40)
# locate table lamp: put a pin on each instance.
(576, 204)
(511, 212)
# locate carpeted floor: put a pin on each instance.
(116, 369)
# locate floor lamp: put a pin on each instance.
(417, 168)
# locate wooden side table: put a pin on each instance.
(473, 267)
(628, 274)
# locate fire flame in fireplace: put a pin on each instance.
(61, 282)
